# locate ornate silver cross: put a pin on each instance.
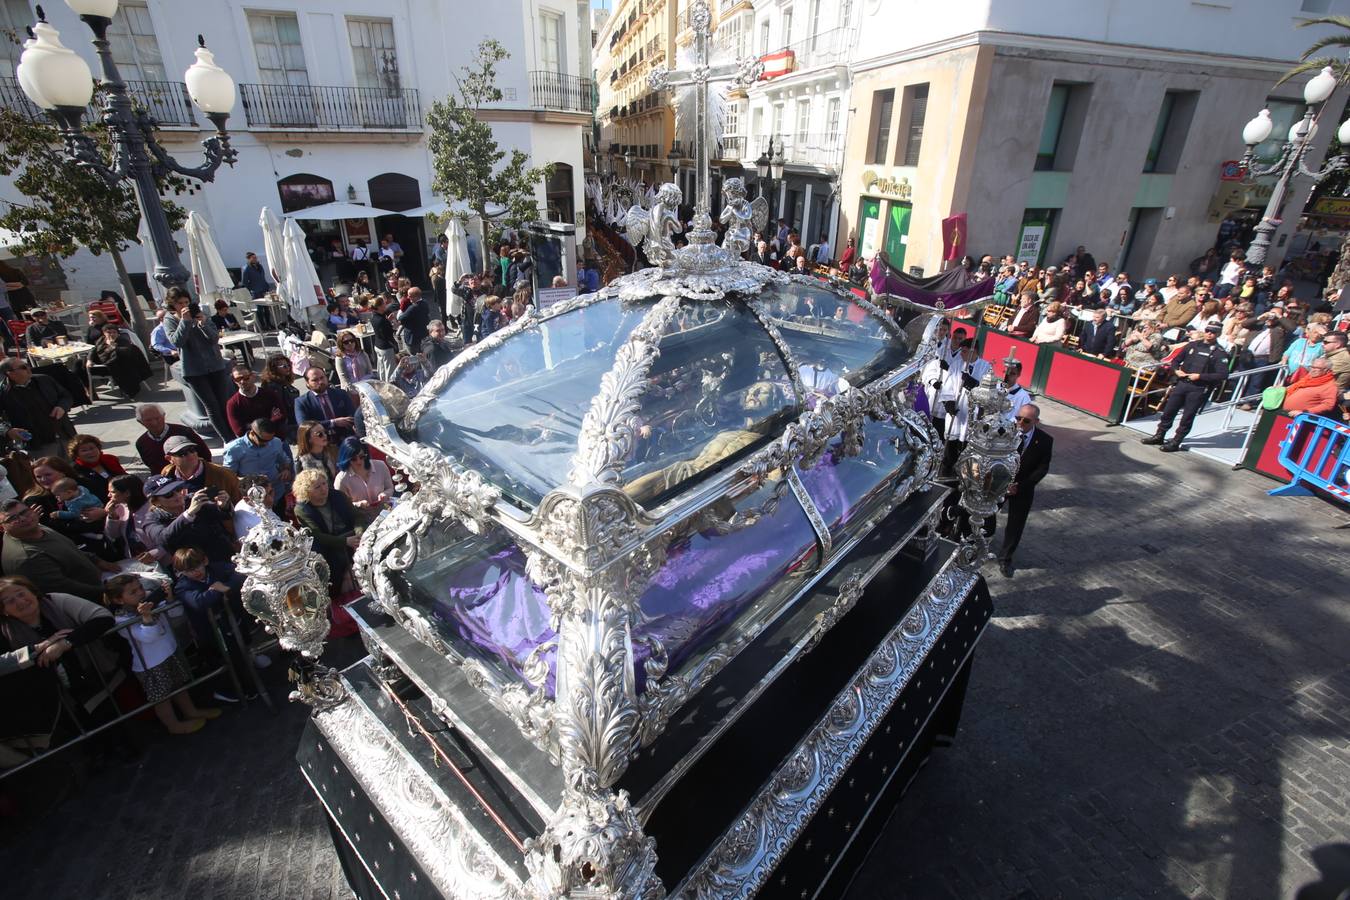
(742, 72)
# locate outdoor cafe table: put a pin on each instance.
(64, 354)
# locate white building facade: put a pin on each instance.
(332, 101)
(800, 104)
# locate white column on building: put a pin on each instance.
(835, 249)
(783, 212)
(806, 217)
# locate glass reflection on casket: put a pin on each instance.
(718, 390)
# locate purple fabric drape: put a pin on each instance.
(951, 290)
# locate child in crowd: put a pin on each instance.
(154, 656)
(201, 594)
(74, 498)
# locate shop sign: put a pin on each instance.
(1232, 171)
(1332, 206)
(899, 188)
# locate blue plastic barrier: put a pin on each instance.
(1316, 451)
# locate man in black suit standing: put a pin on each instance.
(1035, 447)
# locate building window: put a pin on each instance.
(731, 124)
(373, 53)
(832, 123)
(787, 27)
(1283, 113)
(757, 124)
(1065, 116)
(551, 42)
(764, 38)
(134, 48)
(883, 104)
(814, 18)
(777, 119)
(845, 12)
(15, 16)
(916, 110)
(803, 123)
(1170, 131)
(276, 43)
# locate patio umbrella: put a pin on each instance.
(303, 289)
(148, 250)
(340, 209)
(457, 254)
(208, 268)
(273, 248)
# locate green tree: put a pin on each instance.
(66, 206)
(466, 162)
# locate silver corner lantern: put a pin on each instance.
(286, 588)
(989, 462)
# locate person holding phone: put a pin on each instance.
(204, 371)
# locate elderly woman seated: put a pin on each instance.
(1144, 345)
(328, 515)
(48, 640)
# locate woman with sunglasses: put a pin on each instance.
(280, 377)
(351, 361)
(313, 450)
(366, 482)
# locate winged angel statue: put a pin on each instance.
(655, 228)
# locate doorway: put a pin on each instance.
(897, 233)
(395, 191)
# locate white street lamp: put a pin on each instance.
(1343, 133)
(210, 86)
(53, 75)
(1258, 128)
(1320, 87)
(1296, 131)
(103, 8)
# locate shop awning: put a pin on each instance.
(340, 209)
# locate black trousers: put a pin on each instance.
(1185, 398)
(1019, 507)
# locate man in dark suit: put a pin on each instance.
(334, 408)
(1035, 448)
(1098, 337)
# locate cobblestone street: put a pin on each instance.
(1160, 708)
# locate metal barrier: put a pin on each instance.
(1316, 451)
(76, 712)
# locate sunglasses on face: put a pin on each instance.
(1023, 419)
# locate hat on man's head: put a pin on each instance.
(1214, 328)
(1152, 281)
(177, 444)
(163, 485)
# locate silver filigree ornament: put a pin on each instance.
(286, 588)
(989, 462)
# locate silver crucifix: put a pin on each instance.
(742, 72)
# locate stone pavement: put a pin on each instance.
(1158, 709)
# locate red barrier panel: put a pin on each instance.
(1263, 453)
(1091, 385)
(997, 344)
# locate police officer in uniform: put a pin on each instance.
(1201, 366)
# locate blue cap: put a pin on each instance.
(1152, 281)
(163, 485)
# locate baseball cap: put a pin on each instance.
(177, 444)
(1152, 281)
(162, 485)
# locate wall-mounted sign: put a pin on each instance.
(899, 188)
(1232, 171)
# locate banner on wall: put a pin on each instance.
(1029, 244)
(954, 236)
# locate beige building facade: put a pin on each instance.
(1047, 143)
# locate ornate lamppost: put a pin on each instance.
(1291, 162)
(58, 81)
(769, 168)
(673, 159)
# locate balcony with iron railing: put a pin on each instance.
(552, 90)
(323, 108)
(819, 151)
(167, 102)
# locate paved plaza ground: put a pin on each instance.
(1161, 707)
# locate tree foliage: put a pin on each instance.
(1312, 58)
(466, 163)
(66, 206)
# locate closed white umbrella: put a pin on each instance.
(148, 250)
(457, 254)
(273, 248)
(207, 266)
(304, 291)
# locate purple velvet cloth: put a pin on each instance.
(706, 581)
(886, 280)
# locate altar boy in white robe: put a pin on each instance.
(963, 374)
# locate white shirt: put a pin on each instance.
(1229, 274)
(150, 644)
(1020, 397)
(1260, 345)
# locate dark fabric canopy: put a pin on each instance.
(950, 290)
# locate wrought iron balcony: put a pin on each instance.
(821, 151)
(306, 106)
(166, 101)
(551, 90)
(731, 147)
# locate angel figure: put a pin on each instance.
(736, 215)
(654, 228)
